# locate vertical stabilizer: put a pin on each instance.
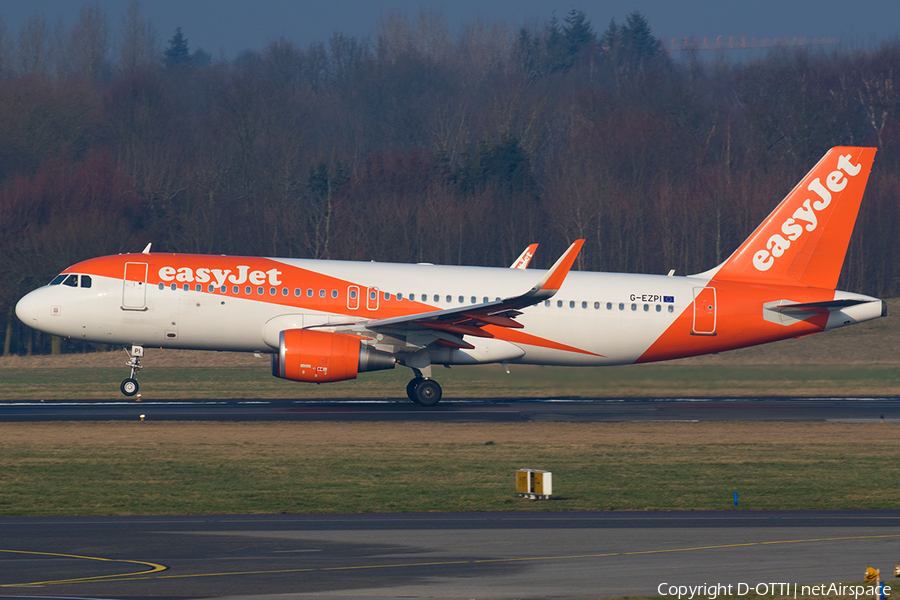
(804, 240)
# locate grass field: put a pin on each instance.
(200, 468)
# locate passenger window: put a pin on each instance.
(387, 295)
(634, 307)
(334, 293)
(272, 291)
(546, 303)
(309, 293)
(658, 308)
(474, 299)
(583, 304)
(162, 286)
(85, 281)
(621, 306)
(412, 297)
(71, 281)
(646, 307)
(223, 289)
(260, 291)
(399, 296)
(571, 304)
(210, 288)
(671, 308)
(437, 298)
(609, 306)
(173, 286)
(321, 293)
(198, 288)
(450, 299)
(559, 303)
(186, 287)
(285, 291)
(297, 292)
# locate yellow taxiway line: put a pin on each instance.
(154, 568)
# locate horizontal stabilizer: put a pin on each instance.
(828, 305)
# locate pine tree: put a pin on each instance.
(178, 52)
(642, 47)
(557, 52)
(577, 31)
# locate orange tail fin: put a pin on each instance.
(804, 240)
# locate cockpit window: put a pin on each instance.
(85, 281)
(58, 279)
(71, 281)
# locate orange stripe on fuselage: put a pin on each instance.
(186, 266)
(517, 336)
(271, 274)
(739, 321)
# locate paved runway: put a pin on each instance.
(466, 411)
(478, 555)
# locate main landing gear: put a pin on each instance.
(129, 386)
(426, 392)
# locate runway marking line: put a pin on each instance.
(154, 568)
(144, 575)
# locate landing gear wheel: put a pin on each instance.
(129, 387)
(428, 392)
(411, 389)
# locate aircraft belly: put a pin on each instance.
(213, 323)
(601, 338)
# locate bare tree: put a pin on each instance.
(7, 51)
(34, 42)
(139, 45)
(90, 40)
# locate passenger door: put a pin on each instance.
(134, 290)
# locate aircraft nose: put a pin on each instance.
(27, 310)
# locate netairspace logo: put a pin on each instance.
(713, 591)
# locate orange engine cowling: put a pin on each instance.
(322, 356)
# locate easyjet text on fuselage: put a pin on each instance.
(240, 275)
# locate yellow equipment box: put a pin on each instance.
(534, 483)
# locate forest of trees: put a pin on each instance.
(418, 145)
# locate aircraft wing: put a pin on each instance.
(449, 325)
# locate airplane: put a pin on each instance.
(329, 320)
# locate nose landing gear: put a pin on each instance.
(130, 386)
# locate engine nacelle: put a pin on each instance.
(323, 356)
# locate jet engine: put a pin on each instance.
(322, 356)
